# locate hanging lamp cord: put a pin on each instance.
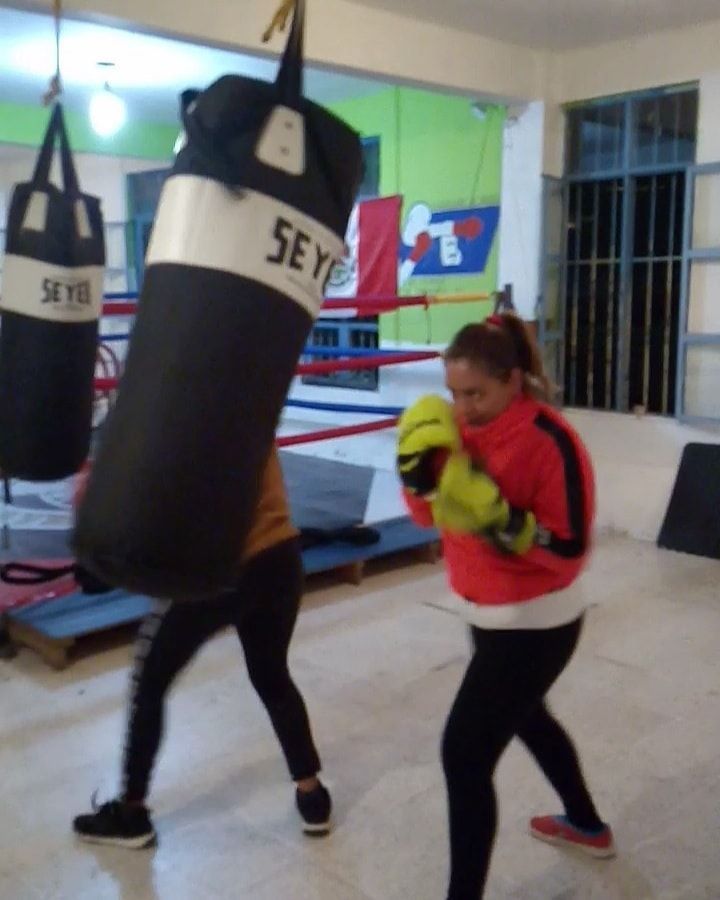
(55, 87)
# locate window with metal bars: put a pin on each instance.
(349, 334)
(655, 291)
(594, 233)
(625, 197)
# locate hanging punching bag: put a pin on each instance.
(52, 290)
(250, 222)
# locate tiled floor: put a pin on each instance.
(379, 666)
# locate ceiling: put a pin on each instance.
(556, 24)
(149, 72)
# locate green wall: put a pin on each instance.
(25, 125)
(433, 149)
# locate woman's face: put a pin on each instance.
(478, 398)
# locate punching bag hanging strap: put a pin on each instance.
(37, 209)
(290, 75)
(282, 143)
(70, 178)
(56, 130)
(55, 87)
(41, 175)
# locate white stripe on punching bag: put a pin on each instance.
(53, 293)
(201, 222)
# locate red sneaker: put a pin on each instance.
(558, 831)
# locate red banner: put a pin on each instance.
(372, 244)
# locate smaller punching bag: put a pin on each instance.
(251, 221)
(52, 288)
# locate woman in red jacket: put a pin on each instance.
(510, 485)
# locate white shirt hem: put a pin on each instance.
(548, 611)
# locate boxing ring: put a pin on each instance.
(348, 512)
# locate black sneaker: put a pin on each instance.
(315, 808)
(116, 823)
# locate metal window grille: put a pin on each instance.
(355, 334)
(622, 257)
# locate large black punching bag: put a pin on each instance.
(52, 289)
(250, 223)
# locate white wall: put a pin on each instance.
(101, 176)
(652, 60)
(708, 145)
(649, 61)
(520, 205)
(105, 177)
(554, 140)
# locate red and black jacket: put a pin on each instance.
(540, 464)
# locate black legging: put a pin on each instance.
(502, 696)
(263, 609)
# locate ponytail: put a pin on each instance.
(500, 344)
(537, 382)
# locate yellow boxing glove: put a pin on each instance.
(469, 501)
(453, 517)
(424, 428)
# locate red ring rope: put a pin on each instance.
(366, 362)
(326, 366)
(329, 433)
(369, 306)
(119, 309)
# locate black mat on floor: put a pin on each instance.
(324, 495)
(692, 521)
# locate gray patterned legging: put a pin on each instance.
(263, 609)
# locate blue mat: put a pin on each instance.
(77, 615)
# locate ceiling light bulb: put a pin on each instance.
(479, 110)
(108, 112)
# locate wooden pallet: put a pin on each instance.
(52, 628)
